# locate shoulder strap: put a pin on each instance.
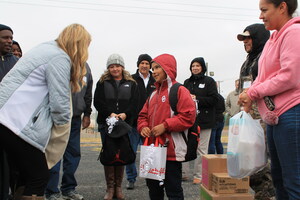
(173, 99)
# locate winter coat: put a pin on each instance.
(7, 62)
(35, 95)
(157, 110)
(144, 92)
(110, 98)
(205, 90)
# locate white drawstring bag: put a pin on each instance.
(246, 151)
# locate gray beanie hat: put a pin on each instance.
(115, 59)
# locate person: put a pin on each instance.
(81, 102)
(35, 106)
(254, 38)
(7, 61)
(204, 90)
(232, 98)
(16, 49)
(145, 83)
(215, 143)
(116, 95)
(277, 93)
(156, 121)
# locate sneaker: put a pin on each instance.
(72, 195)
(54, 196)
(130, 185)
(197, 181)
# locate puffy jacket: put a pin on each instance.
(157, 110)
(35, 94)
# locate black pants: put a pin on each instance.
(28, 160)
(172, 183)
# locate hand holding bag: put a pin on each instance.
(153, 161)
(246, 152)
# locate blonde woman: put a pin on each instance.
(116, 95)
(35, 105)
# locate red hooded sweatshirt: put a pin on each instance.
(157, 110)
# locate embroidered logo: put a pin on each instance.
(163, 98)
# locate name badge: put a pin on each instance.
(246, 84)
(201, 85)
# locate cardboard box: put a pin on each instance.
(224, 184)
(212, 163)
(205, 194)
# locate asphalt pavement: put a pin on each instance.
(91, 180)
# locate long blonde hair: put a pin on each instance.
(75, 40)
(107, 76)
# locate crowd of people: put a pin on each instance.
(46, 99)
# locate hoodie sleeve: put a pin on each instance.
(143, 120)
(186, 112)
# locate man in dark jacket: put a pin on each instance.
(254, 38)
(145, 83)
(204, 90)
(81, 102)
(7, 61)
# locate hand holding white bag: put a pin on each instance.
(246, 151)
(153, 161)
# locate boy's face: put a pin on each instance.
(158, 73)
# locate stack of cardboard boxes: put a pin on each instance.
(218, 185)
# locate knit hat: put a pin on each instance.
(143, 57)
(115, 59)
(4, 27)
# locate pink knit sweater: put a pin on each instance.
(279, 70)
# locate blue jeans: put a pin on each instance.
(71, 160)
(215, 139)
(135, 139)
(284, 146)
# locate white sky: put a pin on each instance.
(183, 28)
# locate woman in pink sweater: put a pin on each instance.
(277, 93)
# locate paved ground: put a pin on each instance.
(90, 176)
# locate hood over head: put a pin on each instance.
(168, 63)
(201, 61)
(259, 35)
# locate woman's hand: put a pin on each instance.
(245, 101)
(122, 116)
(146, 132)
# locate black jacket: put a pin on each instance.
(205, 89)
(144, 92)
(109, 98)
(220, 109)
(6, 63)
(82, 100)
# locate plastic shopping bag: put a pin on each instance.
(246, 151)
(153, 161)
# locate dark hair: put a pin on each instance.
(291, 4)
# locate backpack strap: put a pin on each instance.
(173, 97)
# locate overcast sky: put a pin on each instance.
(183, 28)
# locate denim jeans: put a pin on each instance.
(284, 146)
(215, 143)
(172, 183)
(135, 139)
(70, 163)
